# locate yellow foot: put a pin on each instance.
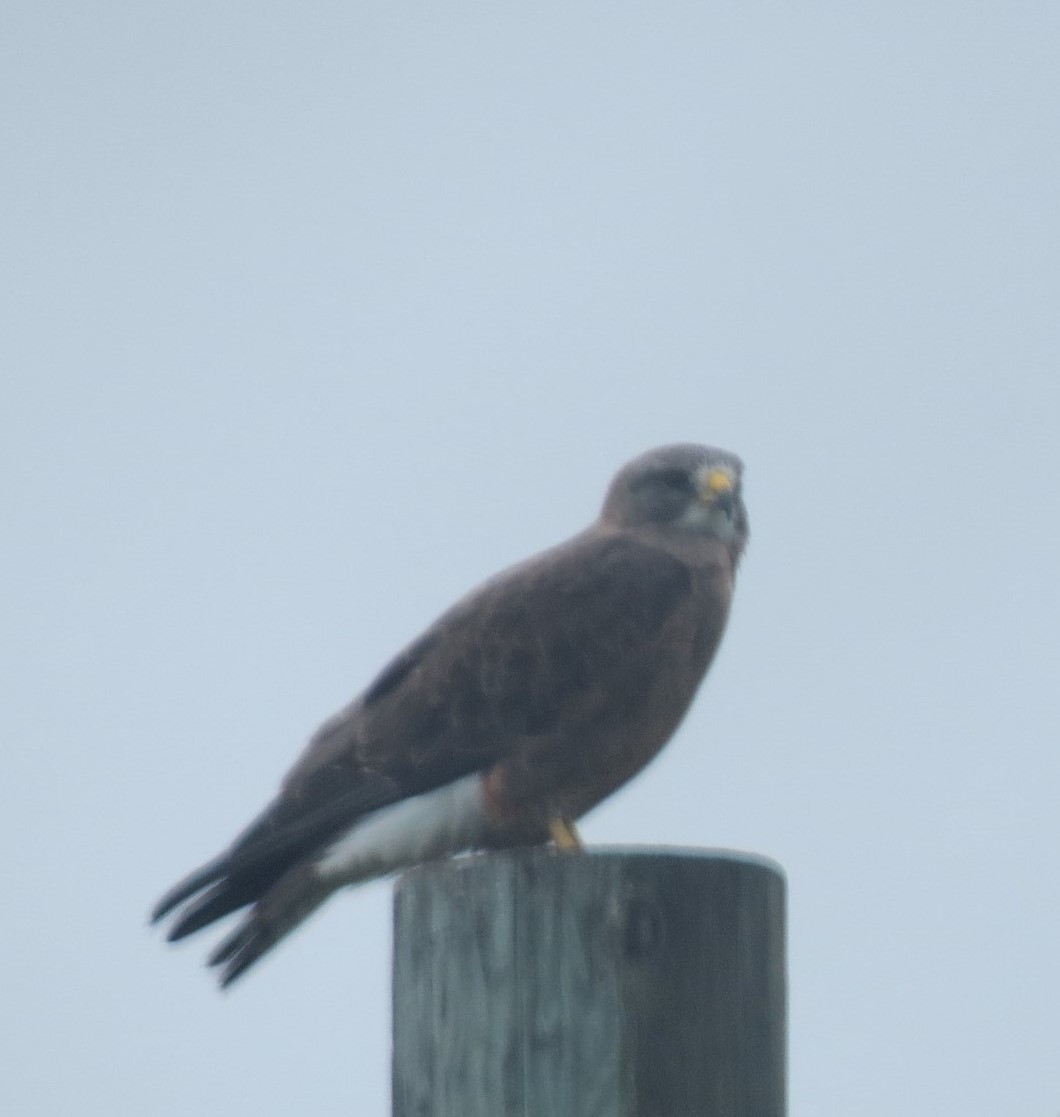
(565, 835)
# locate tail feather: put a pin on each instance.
(279, 838)
(285, 883)
(192, 883)
(219, 900)
(290, 901)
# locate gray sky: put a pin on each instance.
(318, 314)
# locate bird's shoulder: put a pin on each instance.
(597, 589)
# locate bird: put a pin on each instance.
(523, 706)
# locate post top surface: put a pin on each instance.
(593, 856)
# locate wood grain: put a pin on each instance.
(614, 983)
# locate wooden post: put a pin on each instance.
(606, 984)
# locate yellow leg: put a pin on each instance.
(565, 835)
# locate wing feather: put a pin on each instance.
(526, 662)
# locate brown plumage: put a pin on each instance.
(521, 708)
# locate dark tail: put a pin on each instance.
(220, 892)
(192, 883)
(266, 866)
(291, 900)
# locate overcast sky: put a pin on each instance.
(317, 314)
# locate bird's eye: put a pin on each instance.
(675, 479)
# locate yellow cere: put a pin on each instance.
(719, 481)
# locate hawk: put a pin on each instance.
(517, 711)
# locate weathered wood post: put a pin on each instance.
(607, 984)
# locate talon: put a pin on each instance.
(565, 835)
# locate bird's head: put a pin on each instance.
(681, 490)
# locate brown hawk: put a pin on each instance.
(516, 712)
